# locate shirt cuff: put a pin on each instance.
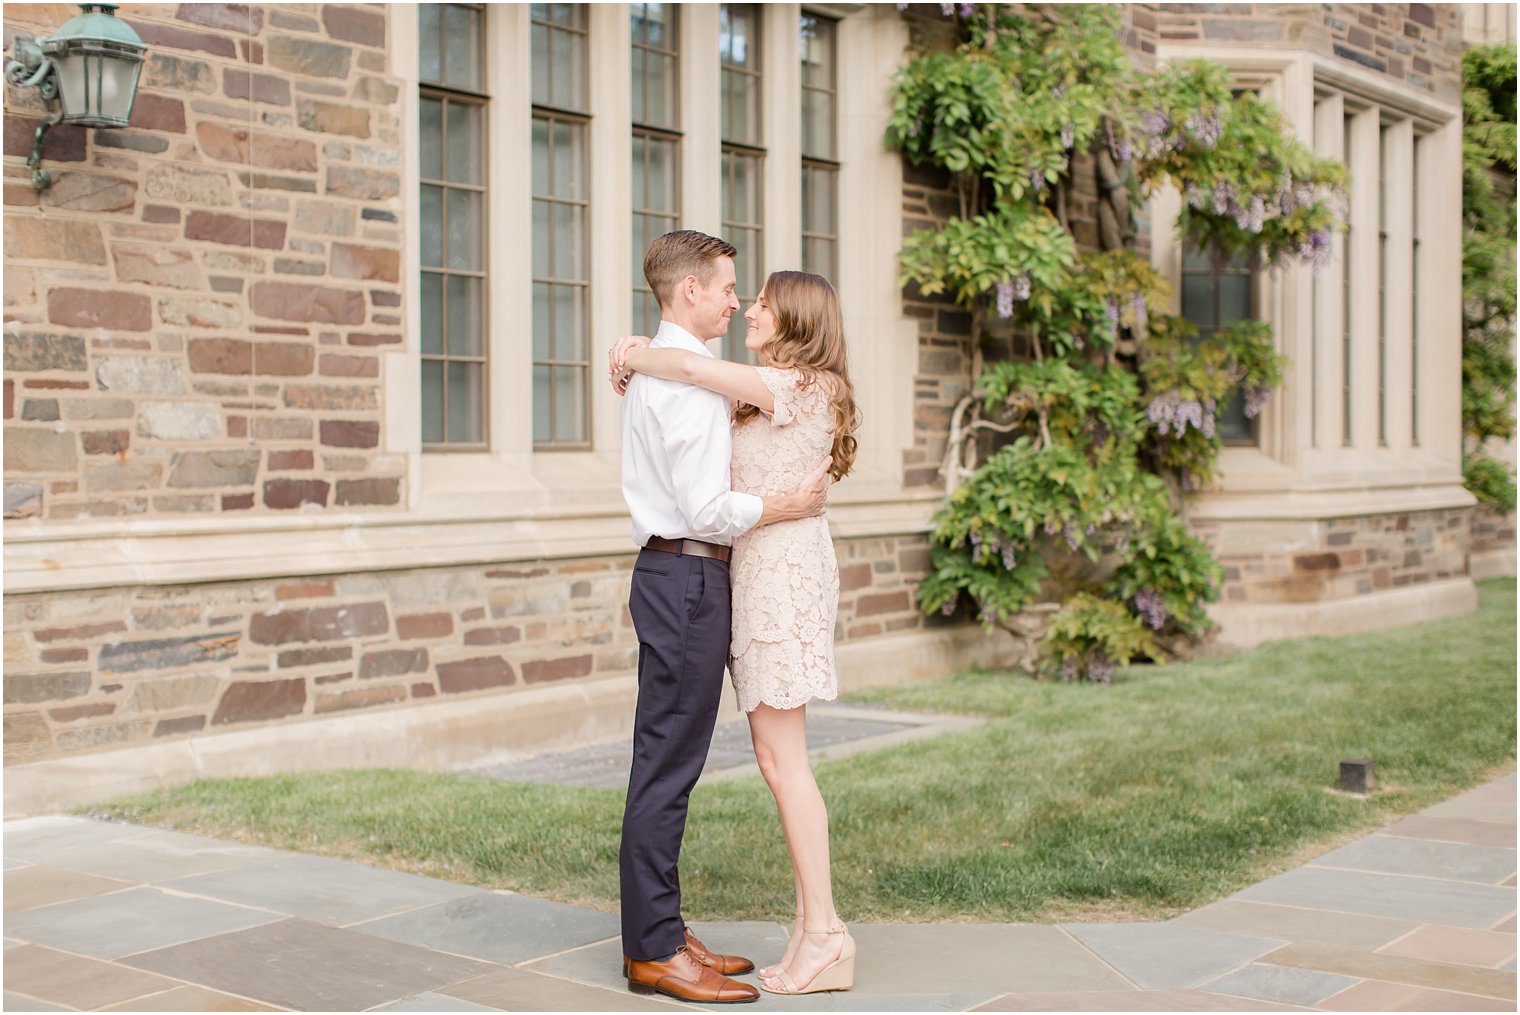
(749, 512)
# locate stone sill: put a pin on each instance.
(1318, 504)
(171, 551)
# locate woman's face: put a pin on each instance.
(762, 326)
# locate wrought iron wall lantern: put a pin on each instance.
(90, 65)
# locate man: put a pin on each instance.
(676, 482)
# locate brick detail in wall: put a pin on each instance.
(88, 671)
(1353, 557)
(196, 310)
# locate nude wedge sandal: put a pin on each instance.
(837, 975)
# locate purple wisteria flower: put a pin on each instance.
(1005, 300)
(1069, 669)
(1121, 543)
(1316, 250)
(1069, 533)
(1021, 286)
(1256, 398)
(1253, 216)
(948, 608)
(1171, 412)
(965, 10)
(1155, 122)
(1205, 128)
(1009, 557)
(1058, 92)
(1037, 180)
(1068, 136)
(1152, 608)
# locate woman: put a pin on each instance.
(792, 410)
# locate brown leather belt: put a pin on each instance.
(695, 547)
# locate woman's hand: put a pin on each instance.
(618, 371)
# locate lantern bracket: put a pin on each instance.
(32, 67)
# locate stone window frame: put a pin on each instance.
(1300, 469)
(1386, 139)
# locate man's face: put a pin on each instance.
(715, 301)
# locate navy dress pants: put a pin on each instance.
(679, 605)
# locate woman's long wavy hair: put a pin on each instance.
(810, 339)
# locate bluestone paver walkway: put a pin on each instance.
(100, 916)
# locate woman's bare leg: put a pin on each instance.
(781, 750)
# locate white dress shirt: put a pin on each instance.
(676, 449)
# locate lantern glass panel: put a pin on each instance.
(118, 87)
(71, 84)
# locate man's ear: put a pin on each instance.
(689, 286)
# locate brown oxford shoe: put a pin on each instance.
(728, 965)
(685, 979)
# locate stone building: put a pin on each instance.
(308, 461)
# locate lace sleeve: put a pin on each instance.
(783, 387)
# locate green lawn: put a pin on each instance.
(1175, 786)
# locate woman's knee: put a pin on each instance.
(783, 767)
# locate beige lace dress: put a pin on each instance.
(784, 577)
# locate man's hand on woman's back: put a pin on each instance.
(807, 501)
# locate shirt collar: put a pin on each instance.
(673, 336)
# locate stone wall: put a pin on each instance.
(86, 671)
(1338, 558)
(944, 334)
(1415, 44)
(1492, 531)
(196, 309)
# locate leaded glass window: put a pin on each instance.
(656, 144)
(743, 160)
(452, 225)
(1213, 299)
(820, 168)
(561, 221)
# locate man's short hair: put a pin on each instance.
(672, 257)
